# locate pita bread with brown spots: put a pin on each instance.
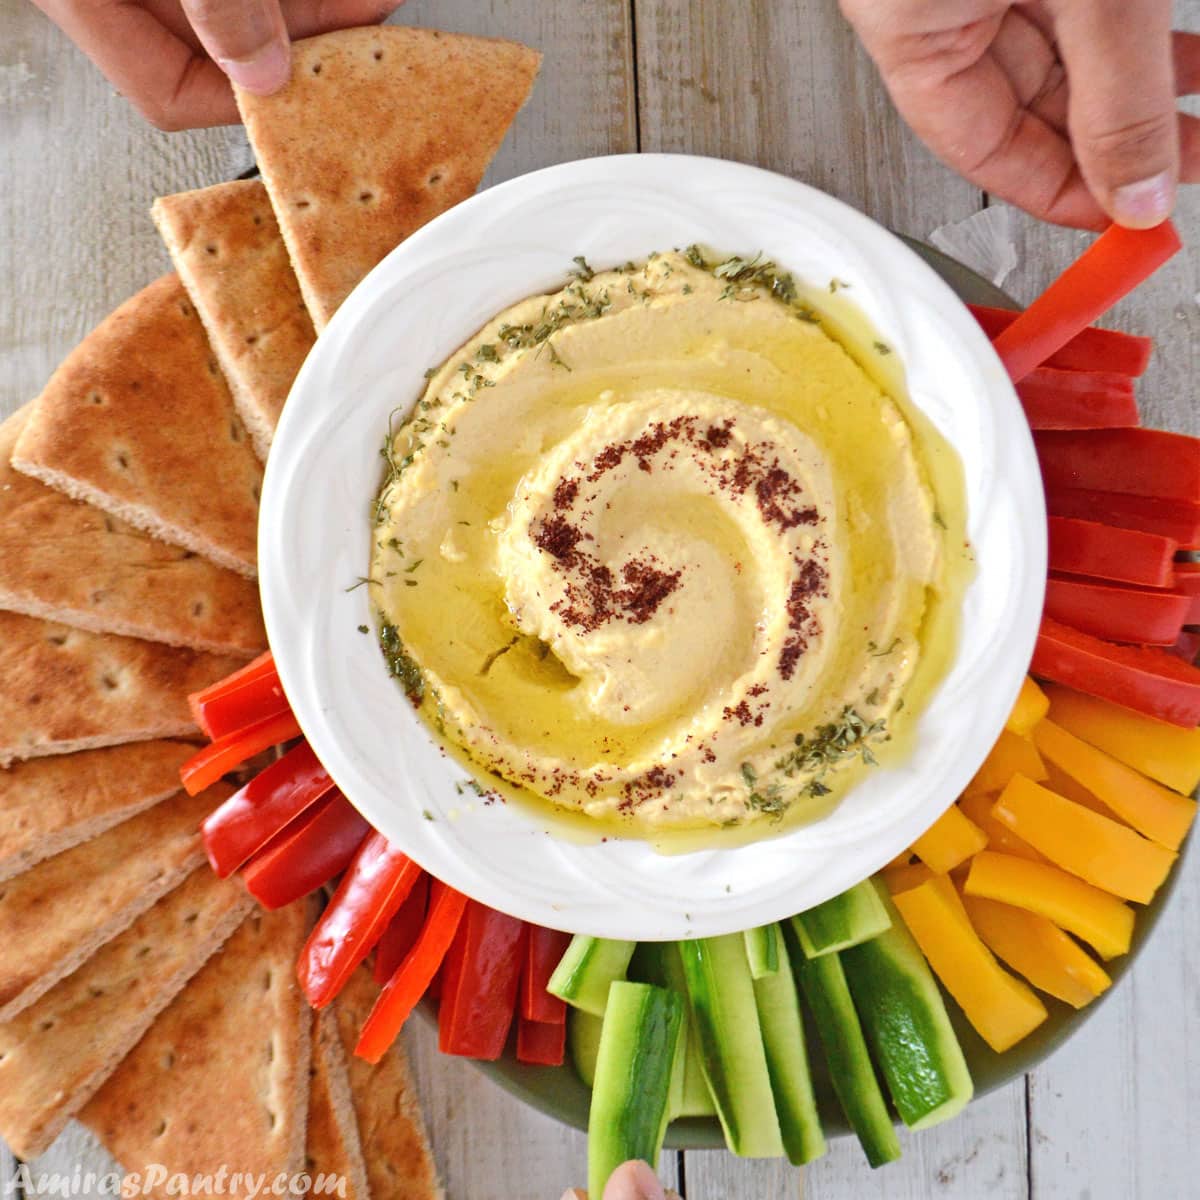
(378, 131)
(57, 1053)
(63, 689)
(64, 560)
(225, 244)
(139, 422)
(58, 914)
(334, 1149)
(48, 805)
(400, 1163)
(221, 1078)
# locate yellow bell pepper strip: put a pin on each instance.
(979, 809)
(1103, 851)
(1036, 948)
(949, 841)
(1031, 706)
(902, 879)
(1011, 755)
(1153, 810)
(1164, 752)
(901, 860)
(1057, 780)
(1001, 1007)
(1101, 920)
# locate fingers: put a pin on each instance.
(634, 1181)
(247, 39)
(307, 18)
(1121, 116)
(1185, 50)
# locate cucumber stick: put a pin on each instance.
(635, 1065)
(787, 1060)
(722, 1007)
(855, 916)
(583, 1037)
(905, 1020)
(762, 950)
(854, 1081)
(586, 969)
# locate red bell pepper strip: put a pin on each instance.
(1110, 268)
(541, 1043)
(1105, 552)
(255, 813)
(545, 951)
(402, 932)
(1077, 399)
(1165, 518)
(401, 993)
(240, 705)
(314, 848)
(199, 701)
(1089, 350)
(1146, 680)
(373, 888)
(479, 983)
(1137, 462)
(218, 758)
(1187, 646)
(1187, 580)
(1118, 614)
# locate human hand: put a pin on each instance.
(1064, 107)
(630, 1181)
(174, 58)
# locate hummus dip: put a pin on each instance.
(657, 548)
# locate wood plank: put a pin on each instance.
(74, 1155)
(787, 86)
(8, 1168)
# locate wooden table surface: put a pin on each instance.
(783, 84)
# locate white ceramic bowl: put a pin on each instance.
(423, 301)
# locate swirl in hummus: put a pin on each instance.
(657, 548)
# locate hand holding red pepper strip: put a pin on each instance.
(373, 888)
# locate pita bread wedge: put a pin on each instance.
(63, 690)
(334, 1149)
(225, 244)
(378, 131)
(68, 561)
(138, 421)
(400, 1164)
(49, 805)
(57, 915)
(56, 1054)
(221, 1078)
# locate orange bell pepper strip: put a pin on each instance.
(902, 879)
(1031, 706)
(949, 841)
(1164, 752)
(373, 888)
(1101, 920)
(1037, 949)
(218, 758)
(1110, 268)
(1107, 854)
(1001, 1007)
(1106, 552)
(414, 975)
(1011, 755)
(979, 808)
(1153, 810)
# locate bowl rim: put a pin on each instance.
(597, 888)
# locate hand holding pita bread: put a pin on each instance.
(174, 59)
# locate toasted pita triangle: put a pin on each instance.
(221, 1078)
(225, 244)
(49, 805)
(62, 689)
(400, 1164)
(56, 1054)
(334, 1148)
(138, 421)
(378, 131)
(55, 916)
(67, 561)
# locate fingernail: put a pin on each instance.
(264, 72)
(1146, 203)
(634, 1181)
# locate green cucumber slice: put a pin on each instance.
(635, 1064)
(722, 1007)
(583, 1037)
(762, 950)
(842, 921)
(586, 969)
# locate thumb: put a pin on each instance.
(1122, 117)
(633, 1181)
(247, 39)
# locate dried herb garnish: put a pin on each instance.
(489, 662)
(401, 665)
(831, 745)
(583, 272)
